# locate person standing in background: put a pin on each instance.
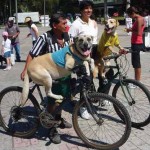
(13, 34)
(33, 29)
(128, 22)
(84, 25)
(136, 39)
(6, 50)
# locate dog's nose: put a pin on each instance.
(85, 45)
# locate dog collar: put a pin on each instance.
(75, 56)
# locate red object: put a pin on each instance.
(67, 28)
(115, 14)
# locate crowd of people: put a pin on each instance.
(61, 34)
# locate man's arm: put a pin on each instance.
(28, 60)
(2, 50)
(18, 32)
(37, 48)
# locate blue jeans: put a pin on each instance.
(16, 46)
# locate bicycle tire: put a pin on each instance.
(95, 141)
(140, 111)
(8, 114)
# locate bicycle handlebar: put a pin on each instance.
(115, 56)
(112, 56)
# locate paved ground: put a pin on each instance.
(138, 140)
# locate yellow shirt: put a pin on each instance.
(105, 41)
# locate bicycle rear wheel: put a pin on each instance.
(139, 101)
(17, 121)
(109, 132)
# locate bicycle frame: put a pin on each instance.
(84, 89)
(83, 96)
(121, 79)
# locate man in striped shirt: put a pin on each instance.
(49, 42)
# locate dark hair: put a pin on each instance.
(132, 9)
(85, 3)
(55, 18)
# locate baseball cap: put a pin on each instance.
(10, 19)
(27, 19)
(5, 33)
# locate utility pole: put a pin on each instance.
(105, 10)
(16, 12)
(44, 13)
(10, 8)
(128, 4)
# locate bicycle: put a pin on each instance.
(132, 93)
(105, 130)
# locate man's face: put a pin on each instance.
(61, 26)
(28, 23)
(10, 23)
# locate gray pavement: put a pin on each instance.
(138, 140)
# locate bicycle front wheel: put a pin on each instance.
(136, 98)
(18, 121)
(108, 131)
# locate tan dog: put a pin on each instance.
(43, 69)
(106, 44)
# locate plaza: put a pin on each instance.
(138, 140)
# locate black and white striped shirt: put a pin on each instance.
(47, 42)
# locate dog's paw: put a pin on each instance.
(60, 97)
(92, 65)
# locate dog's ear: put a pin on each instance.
(92, 38)
(105, 21)
(75, 39)
(117, 23)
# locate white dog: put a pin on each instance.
(43, 69)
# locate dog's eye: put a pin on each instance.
(80, 40)
(88, 39)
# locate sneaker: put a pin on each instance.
(64, 124)
(7, 68)
(141, 52)
(54, 136)
(132, 86)
(84, 113)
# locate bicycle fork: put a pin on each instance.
(98, 119)
(130, 102)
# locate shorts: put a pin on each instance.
(7, 54)
(61, 88)
(135, 56)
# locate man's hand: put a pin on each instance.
(22, 75)
(128, 30)
(28, 60)
(122, 51)
(28, 35)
